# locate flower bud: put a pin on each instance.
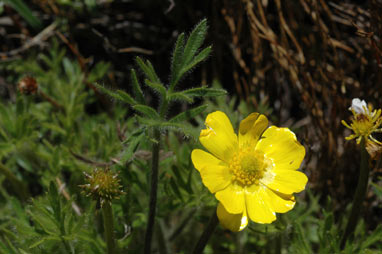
(27, 85)
(103, 185)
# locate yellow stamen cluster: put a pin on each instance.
(103, 185)
(247, 167)
(364, 124)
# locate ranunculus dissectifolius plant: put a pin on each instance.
(252, 174)
(364, 123)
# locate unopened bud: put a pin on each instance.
(103, 185)
(27, 85)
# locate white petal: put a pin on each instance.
(359, 107)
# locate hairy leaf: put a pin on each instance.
(197, 59)
(166, 125)
(133, 142)
(195, 40)
(137, 88)
(148, 70)
(125, 97)
(189, 114)
(179, 96)
(147, 111)
(157, 87)
(205, 92)
(119, 94)
(177, 57)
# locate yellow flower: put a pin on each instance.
(364, 122)
(253, 175)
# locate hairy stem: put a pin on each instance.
(359, 196)
(207, 233)
(153, 192)
(108, 223)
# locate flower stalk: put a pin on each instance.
(108, 223)
(104, 186)
(359, 195)
(153, 192)
(207, 233)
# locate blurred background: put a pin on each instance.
(299, 62)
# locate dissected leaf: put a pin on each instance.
(177, 57)
(189, 114)
(157, 87)
(205, 92)
(137, 88)
(147, 111)
(133, 143)
(148, 70)
(179, 96)
(195, 40)
(126, 97)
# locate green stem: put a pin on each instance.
(108, 223)
(208, 231)
(153, 192)
(359, 196)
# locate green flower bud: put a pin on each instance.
(103, 185)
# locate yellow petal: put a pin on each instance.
(219, 137)
(281, 203)
(202, 159)
(259, 207)
(285, 181)
(233, 222)
(251, 129)
(216, 178)
(232, 198)
(282, 147)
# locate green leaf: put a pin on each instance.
(147, 111)
(108, 92)
(179, 178)
(46, 238)
(195, 40)
(24, 11)
(189, 114)
(134, 140)
(165, 125)
(126, 97)
(197, 59)
(148, 70)
(157, 87)
(175, 188)
(137, 88)
(119, 94)
(302, 241)
(179, 96)
(373, 238)
(54, 127)
(205, 92)
(98, 71)
(152, 71)
(177, 56)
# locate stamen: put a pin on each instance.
(248, 166)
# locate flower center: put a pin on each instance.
(248, 167)
(363, 125)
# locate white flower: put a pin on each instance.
(359, 107)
